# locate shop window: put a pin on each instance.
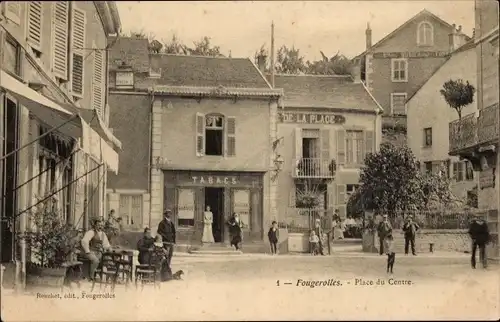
(185, 208)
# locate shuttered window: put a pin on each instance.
(341, 146)
(35, 24)
(60, 39)
(200, 134)
(78, 44)
(98, 92)
(231, 136)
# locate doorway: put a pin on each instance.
(214, 197)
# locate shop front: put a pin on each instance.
(188, 193)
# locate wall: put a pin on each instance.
(429, 109)
(130, 121)
(345, 175)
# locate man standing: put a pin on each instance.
(166, 229)
(410, 229)
(319, 233)
(480, 235)
(383, 229)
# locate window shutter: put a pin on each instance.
(98, 92)
(341, 194)
(325, 146)
(78, 44)
(341, 146)
(200, 134)
(342, 211)
(231, 136)
(369, 142)
(331, 196)
(35, 24)
(60, 39)
(298, 144)
(136, 211)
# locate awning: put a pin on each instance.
(53, 115)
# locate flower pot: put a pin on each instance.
(45, 276)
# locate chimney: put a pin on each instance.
(454, 39)
(261, 63)
(368, 34)
(356, 71)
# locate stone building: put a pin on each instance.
(327, 126)
(53, 104)
(398, 64)
(211, 127)
(428, 118)
(475, 136)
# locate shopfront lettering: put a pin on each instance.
(214, 180)
(313, 118)
(407, 54)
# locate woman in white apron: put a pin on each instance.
(208, 219)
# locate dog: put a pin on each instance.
(178, 275)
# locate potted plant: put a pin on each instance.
(52, 243)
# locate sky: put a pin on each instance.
(242, 27)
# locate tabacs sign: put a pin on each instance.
(312, 118)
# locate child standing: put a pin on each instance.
(273, 235)
(389, 250)
(314, 243)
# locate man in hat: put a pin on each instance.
(384, 228)
(480, 235)
(93, 243)
(410, 229)
(166, 229)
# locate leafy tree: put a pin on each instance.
(392, 182)
(289, 61)
(203, 47)
(338, 64)
(175, 46)
(458, 94)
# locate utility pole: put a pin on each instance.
(272, 54)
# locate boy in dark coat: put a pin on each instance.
(480, 235)
(273, 235)
(410, 229)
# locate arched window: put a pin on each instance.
(425, 34)
(214, 134)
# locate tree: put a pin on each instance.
(174, 46)
(391, 182)
(458, 94)
(289, 61)
(336, 65)
(203, 47)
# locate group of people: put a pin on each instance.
(234, 223)
(478, 232)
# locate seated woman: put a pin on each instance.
(145, 246)
(94, 243)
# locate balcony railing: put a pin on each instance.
(488, 124)
(463, 133)
(313, 168)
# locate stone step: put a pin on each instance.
(215, 252)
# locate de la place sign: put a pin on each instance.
(312, 118)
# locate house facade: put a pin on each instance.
(397, 65)
(475, 136)
(327, 127)
(429, 116)
(55, 145)
(211, 127)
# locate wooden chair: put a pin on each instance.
(150, 272)
(125, 264)
(108, 270)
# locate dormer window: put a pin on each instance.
(425, 34)
(124, 80)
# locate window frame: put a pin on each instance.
(459, 174)
(419, 40)
(392, 102)
(393, 63)
(428, 137)
(222, 128)
(360, 141)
